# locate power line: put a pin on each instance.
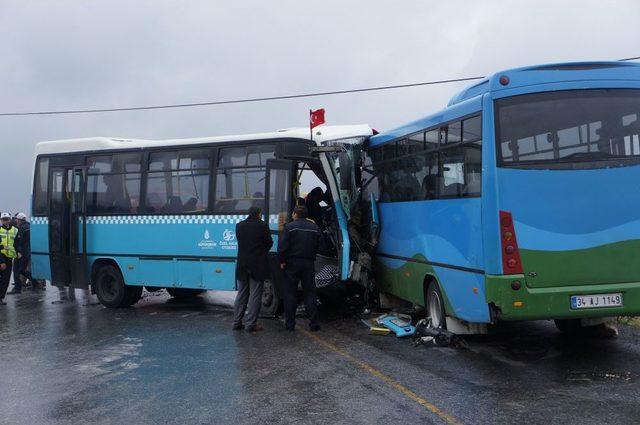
(247, 100)
(251, 99)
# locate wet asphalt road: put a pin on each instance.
(174, 362)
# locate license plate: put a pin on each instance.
(596, 301)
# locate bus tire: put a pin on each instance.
(270, 300)
(110, 288)
(184, 293)
(134, 293)
(435, 306)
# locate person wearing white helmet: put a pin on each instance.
(22, 264)
(8, 251)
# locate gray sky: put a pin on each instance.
(111, 53)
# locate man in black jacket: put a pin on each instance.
(252, 268)
(297, 249)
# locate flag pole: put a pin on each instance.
(310, 125)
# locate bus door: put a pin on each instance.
(278, 205)
(78, 231)
(67, 239)
(279, 190)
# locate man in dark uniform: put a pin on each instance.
(297, 249)
(252, 268)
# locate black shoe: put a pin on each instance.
(2, 302)
(237, 327)
(14, 291)
(314, 328)
(255, 328)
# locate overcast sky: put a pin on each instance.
(112, 53)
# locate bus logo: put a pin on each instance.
(206, 243)
(228, 240)
(229, 235)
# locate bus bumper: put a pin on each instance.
(554, 303)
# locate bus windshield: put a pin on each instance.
(568, 127)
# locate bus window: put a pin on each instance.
(178, 182)
(111, 189)
(430, 176)
(279, 195)
(240, 178)
(259, 154)
(431, 139)
(461, 171)
(451, 133)
(40, 188)
(472, 129)
(568, 127)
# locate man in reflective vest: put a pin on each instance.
(8, 252)
(21, 265)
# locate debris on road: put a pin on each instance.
(399, 324)
(425, 333)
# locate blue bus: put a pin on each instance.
(117, 215)
(518, 201)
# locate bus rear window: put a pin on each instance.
(568, 127)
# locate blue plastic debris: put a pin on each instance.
(397, 325)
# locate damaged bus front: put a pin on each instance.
(325, 175)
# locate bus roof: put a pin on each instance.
(88, 144)
(469, 99)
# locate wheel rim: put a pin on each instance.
(267, 293)
(108, 288)
(435, 309)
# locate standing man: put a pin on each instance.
(297, 249)
(252, 268)
(8, 234)
(21, 265)
(313, 206)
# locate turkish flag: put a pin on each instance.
(316, 117)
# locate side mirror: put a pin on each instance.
(346, 169)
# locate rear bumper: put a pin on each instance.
(554, 303)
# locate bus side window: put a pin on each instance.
(178, 181)
(40, 188)
(113, 184)
(240, 178)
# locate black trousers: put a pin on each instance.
(19, 270)
(302, 271)
(5, 277)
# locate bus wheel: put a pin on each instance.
(110, 287)
(134, 293)
(435, 306)
(184, 293)
(270, 300)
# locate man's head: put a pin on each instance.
(21, 217)
(5, 218)
(299, 213)
(315, 195)
(254, 212)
